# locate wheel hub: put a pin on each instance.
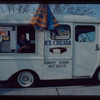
(25, 79)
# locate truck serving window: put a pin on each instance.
(84, 33)
(61, 32)
(17, 39)
(25, 39)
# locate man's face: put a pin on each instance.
(22, 37)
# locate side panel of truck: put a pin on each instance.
(58, 52)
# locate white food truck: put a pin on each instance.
(71, 50)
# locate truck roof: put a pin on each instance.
(25, 18)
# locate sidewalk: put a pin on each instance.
(29, 91)
(53, 91)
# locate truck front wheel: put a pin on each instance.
(25, 79)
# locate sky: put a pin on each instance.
(95, 7)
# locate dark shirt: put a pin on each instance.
(20, 44)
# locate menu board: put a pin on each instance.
(8, 34)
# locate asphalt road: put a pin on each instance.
(76, 87)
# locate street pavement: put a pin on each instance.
(54, 88)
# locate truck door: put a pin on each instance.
(85, 53)
(58, 52)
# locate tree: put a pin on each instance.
(2, 9)
(71, 9)
(17, 8)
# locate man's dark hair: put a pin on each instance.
(23, 34)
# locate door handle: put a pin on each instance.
(97, 47)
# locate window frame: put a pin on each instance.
(35, 42)
(88, 25)
(57, 28)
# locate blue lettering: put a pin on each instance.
(67, 42)
(48, 42)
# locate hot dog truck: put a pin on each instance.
(70, 51)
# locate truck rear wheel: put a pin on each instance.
(96, 77)
(25, 79)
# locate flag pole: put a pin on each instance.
(44, 34)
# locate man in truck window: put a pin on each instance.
(22, 45)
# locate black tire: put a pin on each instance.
(96, 77)
(25, 79)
